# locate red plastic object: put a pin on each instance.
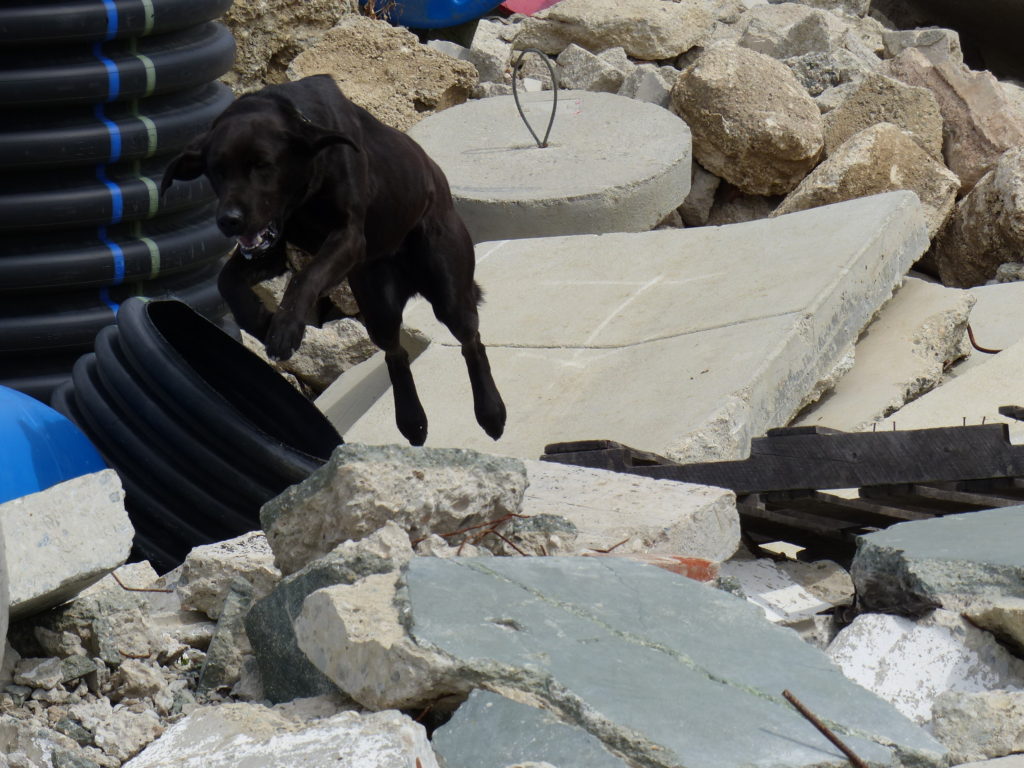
(527, 7)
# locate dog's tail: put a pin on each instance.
(478, 294)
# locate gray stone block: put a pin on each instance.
(490, 731)
(952, 561)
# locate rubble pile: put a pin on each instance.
(472, 607)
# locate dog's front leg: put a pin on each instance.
(339, 253)
(238, 276)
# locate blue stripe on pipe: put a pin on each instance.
(111, 9)
(113, 75)
(116, 252)
(105, 298)
(116, 198)
(113, 130)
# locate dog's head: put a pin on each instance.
(259, 157)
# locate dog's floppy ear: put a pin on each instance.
(186, 166)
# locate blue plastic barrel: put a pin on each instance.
(435, 14)
(39, 447)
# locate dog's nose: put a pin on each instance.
(229, 221)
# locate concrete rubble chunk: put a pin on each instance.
(229, 646)
(902, 354)
(593, 641)
(362, 487)
(39, 673)
(776, 593)
(787, 296)
(491, 731)
(505, 186)
(762, 134)
(52, 557)
(987, 228)
(936, 44)
(636, 513)
(1003, 617)
(818, 72)
(881, 99)
(979, 123)
(952, 561)
(419, 79)
(125, 733)
(285, 671)
(580, 69)
(647, 83)
(783, 30)
(881, 158)
(25, 744)
(234, 735)
(911, 663)
(697, 206)
(270, 33)
(650, 30)
(979, 726)
(997, 320)
(208, 572)
(329, 351)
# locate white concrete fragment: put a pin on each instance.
(1003, 617)
(62, 539)
(979, 726)
(354, 635)
(208, 572)
(782, 599)
(646, 83)
(909, 664)
(997, 320)
(683, 342)
(610, 508)
(901, 355)
(242, 735)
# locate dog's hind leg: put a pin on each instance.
(449, 286)
(381, 299)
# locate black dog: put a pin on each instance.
(300, 163)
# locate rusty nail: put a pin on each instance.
(126, 588)
(824, 729)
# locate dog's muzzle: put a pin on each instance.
(254, 245)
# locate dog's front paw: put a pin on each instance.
(284, 337)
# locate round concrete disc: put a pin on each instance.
(612, 164)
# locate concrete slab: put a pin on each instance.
(997, 321)
(782, 599)
(953, 561)
(63, 539)
(911, 663)
(663, 669)
(635, 514)
(971, 398)
(491, 731)
(685, 342)
(901, 355)
(612, 164)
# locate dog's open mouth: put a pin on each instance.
(254, 245)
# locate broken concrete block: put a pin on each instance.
(61, 540)
(491, 731)
(910, 663)
(647, 29)
(363, 487)
(39, 673)
(782, 599)
(819, 72)
(1003, 617)
(233, 735)
(763, 134)
(880, 99)
(879, 159)
(951, 561)
(826, 580)
(594, 641)
(902, 354)
(789, 29)
(646, 83)
(979, 123)
(979, 726)
(285, 672)
(997, 320)
(24, 744)
(208, 572)
(229, 645)
(328, 351)
(637, 514)
(125, 733)
(579, 69)
(987, 228)
(697, 206)
(937, 44)
(786, 296)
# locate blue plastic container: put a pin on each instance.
(39, 447)
(435, 14)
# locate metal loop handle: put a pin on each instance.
(554, 90)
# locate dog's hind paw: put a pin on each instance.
(493, 422)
